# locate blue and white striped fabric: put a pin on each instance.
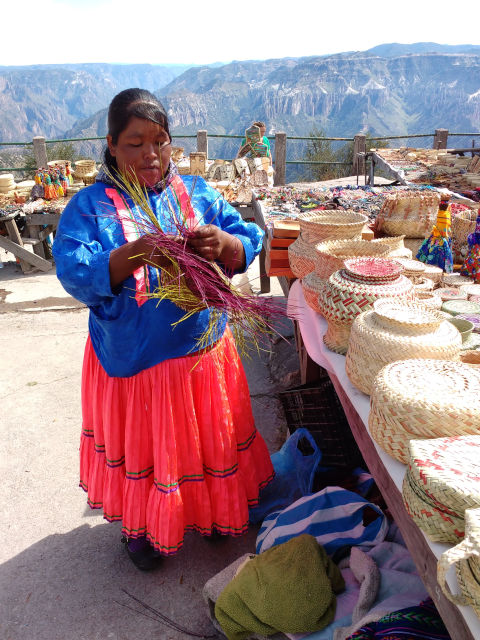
(334, 516)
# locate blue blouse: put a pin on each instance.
(126, 337)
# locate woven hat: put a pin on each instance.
(466, 558)
(414, 399)
(354, 289)
(393, 330)
(444, 480)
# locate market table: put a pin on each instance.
(461, 622)
(35, 234)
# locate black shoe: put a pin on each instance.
(143, 556)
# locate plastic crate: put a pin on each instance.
(318, 409)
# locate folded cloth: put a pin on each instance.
(289, 588)
(336, 517)
(422, 623)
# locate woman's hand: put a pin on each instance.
(211, 243)
(126, 259)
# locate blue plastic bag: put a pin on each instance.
(294, 475)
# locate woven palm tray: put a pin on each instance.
(443, 479)
(396, 331)
(413, 399)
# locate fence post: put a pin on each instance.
(440, 139)
(359, 146)
(202, 141)
(40, 151)
(280, 158)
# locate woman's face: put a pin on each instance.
(142, 149)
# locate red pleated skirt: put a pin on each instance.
(173, 448)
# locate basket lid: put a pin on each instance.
(373, 269)
(411, 267)
(470, 289)
(456, 307)
(405, 314)
(448, 469)
(450, 293)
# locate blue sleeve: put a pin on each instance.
(222, 214)
(82, 259)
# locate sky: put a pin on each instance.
(204, 31)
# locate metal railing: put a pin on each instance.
(439, 141)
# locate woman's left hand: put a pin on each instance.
(212, 243)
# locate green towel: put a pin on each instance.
(288, 588)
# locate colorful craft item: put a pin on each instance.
(471, 265)
(437, 249)
(54, 182)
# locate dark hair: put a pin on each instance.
(260, 124)
(129, 103)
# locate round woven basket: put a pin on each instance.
(354, 289)
(414, 245)
(462, 225)
(474, 318)
(471, 290)
(414, 399)
(444, 475)
(84, 167)
(396, 331)
(301, 257)
(429, 299)
(332, 224)
(411, 213)
(455, 280)
(413, 269)
(423, 284)
(471, 357)
(456, 307)
(397, 246)
(466, 558)
(331, 255)
(312, 285)
(449, 293)
(433, 273)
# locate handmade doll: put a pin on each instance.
(471, 265)
(437, 249)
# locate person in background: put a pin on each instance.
(168, 443)
(256, 148)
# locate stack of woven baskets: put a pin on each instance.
(392, 331)
(414, 399)
(317, 227)
(352, 290)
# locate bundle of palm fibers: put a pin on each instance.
(192, 282)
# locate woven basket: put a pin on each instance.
(462, 225)
(413, 269)
(414, 399)
(410, 213)
(450, 293)
(414, 245)
(433, 273)
(354, 289)
(470, 290)
(331, 225)
(301, 257)
(423, 284)
(444, 476)
(396, 331)
(474, 318)
(83, 167)
(455, 280)
(395, 243)
(312, 285)
(457, 307)
(331, 255)
(470, 357)
(429, 299)
(466, 558)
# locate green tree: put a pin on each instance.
(320, 151)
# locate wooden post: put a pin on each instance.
(202, 141)
(440, 139)
(359, 146)
(40, 151)
(280, 158)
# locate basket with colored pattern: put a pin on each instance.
(354, 289)
(442, 480)
(312, 284)
(411, 213)
(413, 399)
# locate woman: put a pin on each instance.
(168, 441)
